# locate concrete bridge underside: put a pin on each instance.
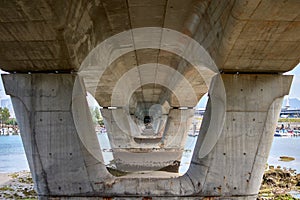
(244, 47)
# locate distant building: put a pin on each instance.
(288, 110)
(290, 113)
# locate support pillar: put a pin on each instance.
(59, 157)
(158, 152)
(236, 163)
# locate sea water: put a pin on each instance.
(285, 146)
(13, 159)
(12, 155)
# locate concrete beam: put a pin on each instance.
(248, 36)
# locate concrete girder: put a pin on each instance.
(137, 103)
(155, 57)
(249, 36)
(123, 130)
(110, 66)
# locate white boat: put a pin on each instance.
(282, 133)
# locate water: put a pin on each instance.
(188, 152)
(285, 146)
(13, 159)
(12, 155)
(105, 147)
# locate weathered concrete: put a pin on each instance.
(64, 164)
(56, 151)
(256, 37)
(130, 155)
(236, 163)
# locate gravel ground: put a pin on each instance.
(17, 185)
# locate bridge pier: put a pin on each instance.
(133, 151)
(57, 155)
(235, 165)
(64, 167)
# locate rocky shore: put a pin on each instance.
(17, 185)
(277, 184)
(280, 183)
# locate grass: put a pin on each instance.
(284, 197)
(14, 175)
(6, 188)
(289, 120)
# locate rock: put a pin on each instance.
(21, 187)
(278, 182)
(286, 158)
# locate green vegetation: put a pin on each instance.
(96, 116)
(20, 188)
(277, 183)
(27, 180)
(268, 194)
(289, 120)
(284, 197)
(4, 115)
(6, 188)
(12, 121)
(14, 175)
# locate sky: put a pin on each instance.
(2, 91)
(295, 88)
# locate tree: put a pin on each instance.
(12, 121)
(4, 115)
(96, 116)
(97, 113)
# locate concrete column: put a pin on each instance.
(178, 124)
(135, 152)
(62, 160)
(235, 165)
